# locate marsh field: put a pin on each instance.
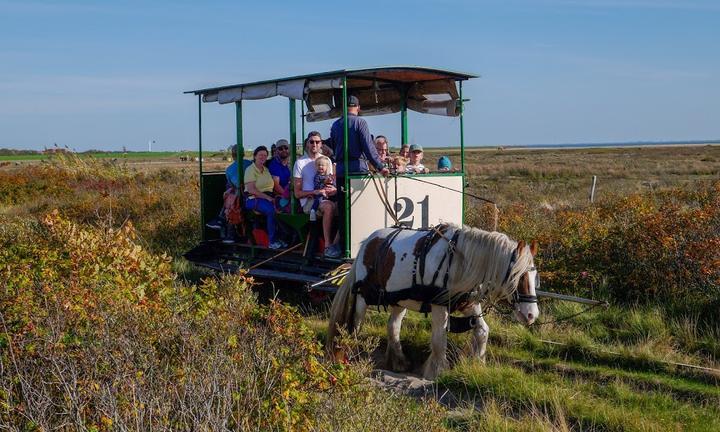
(104, 326)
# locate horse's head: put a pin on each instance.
(524, 298)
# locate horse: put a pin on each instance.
(441, 270)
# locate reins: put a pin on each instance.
(566, 318)
(382, 194)
(450, 189)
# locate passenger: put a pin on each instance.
(259, 186)
(444, 164)
(381, 145)
(399, 163)
(324, 185)
(280, 172)
(227, 230)
(231, 172)
(304, 173)
(416, 156)
(361, 149)
(405, 151)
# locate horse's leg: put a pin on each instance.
(394, 358)
(480, 332)
(438, 358)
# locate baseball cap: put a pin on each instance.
(353, 101)
(282, 142)
(416, 147)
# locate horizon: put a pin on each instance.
(100, 75)
(488, 146)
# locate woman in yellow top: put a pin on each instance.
(259, 185)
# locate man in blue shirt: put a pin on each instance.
(280, 171)
(361, 150)
(279, 165)
(231, 172)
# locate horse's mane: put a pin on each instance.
(483, 259)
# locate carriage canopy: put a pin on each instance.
(380, 90)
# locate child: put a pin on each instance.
(416, 156)
(323, 181)
(399, 163)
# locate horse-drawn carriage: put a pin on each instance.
(404, 230)
(374, 202)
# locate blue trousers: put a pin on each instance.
(268, 209)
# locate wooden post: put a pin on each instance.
(592, 190)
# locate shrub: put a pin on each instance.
(98, 335)
(648, 248)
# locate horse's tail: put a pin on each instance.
(342, 312)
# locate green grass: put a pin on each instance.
(608, 370)
(599, 398)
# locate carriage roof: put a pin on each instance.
(381, 90)
(390, 74)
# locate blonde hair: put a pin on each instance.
(399, 161)
(323, 159)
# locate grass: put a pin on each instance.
(607, 369)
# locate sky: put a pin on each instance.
(107, 75)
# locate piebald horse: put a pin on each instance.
(442, 270)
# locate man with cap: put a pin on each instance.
(361, 150)
(279, 167)
(416, 156)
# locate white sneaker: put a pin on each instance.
(275, 245)
(313, 215)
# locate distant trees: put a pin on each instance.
(12, 152)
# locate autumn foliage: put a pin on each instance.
(654, 248)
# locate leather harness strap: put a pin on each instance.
(379, 259)
(425, 294)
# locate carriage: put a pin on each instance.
(379, 212)
(419, 201)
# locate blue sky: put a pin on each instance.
(110, 74)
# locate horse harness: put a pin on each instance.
(377, 295)
(517, 296)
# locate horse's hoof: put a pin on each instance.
(396, 363)
(400, 365)
(432, 369)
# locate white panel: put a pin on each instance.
(419, 205)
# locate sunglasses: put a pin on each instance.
(316, 141)
(284, 148)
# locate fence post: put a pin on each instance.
(592, 190)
